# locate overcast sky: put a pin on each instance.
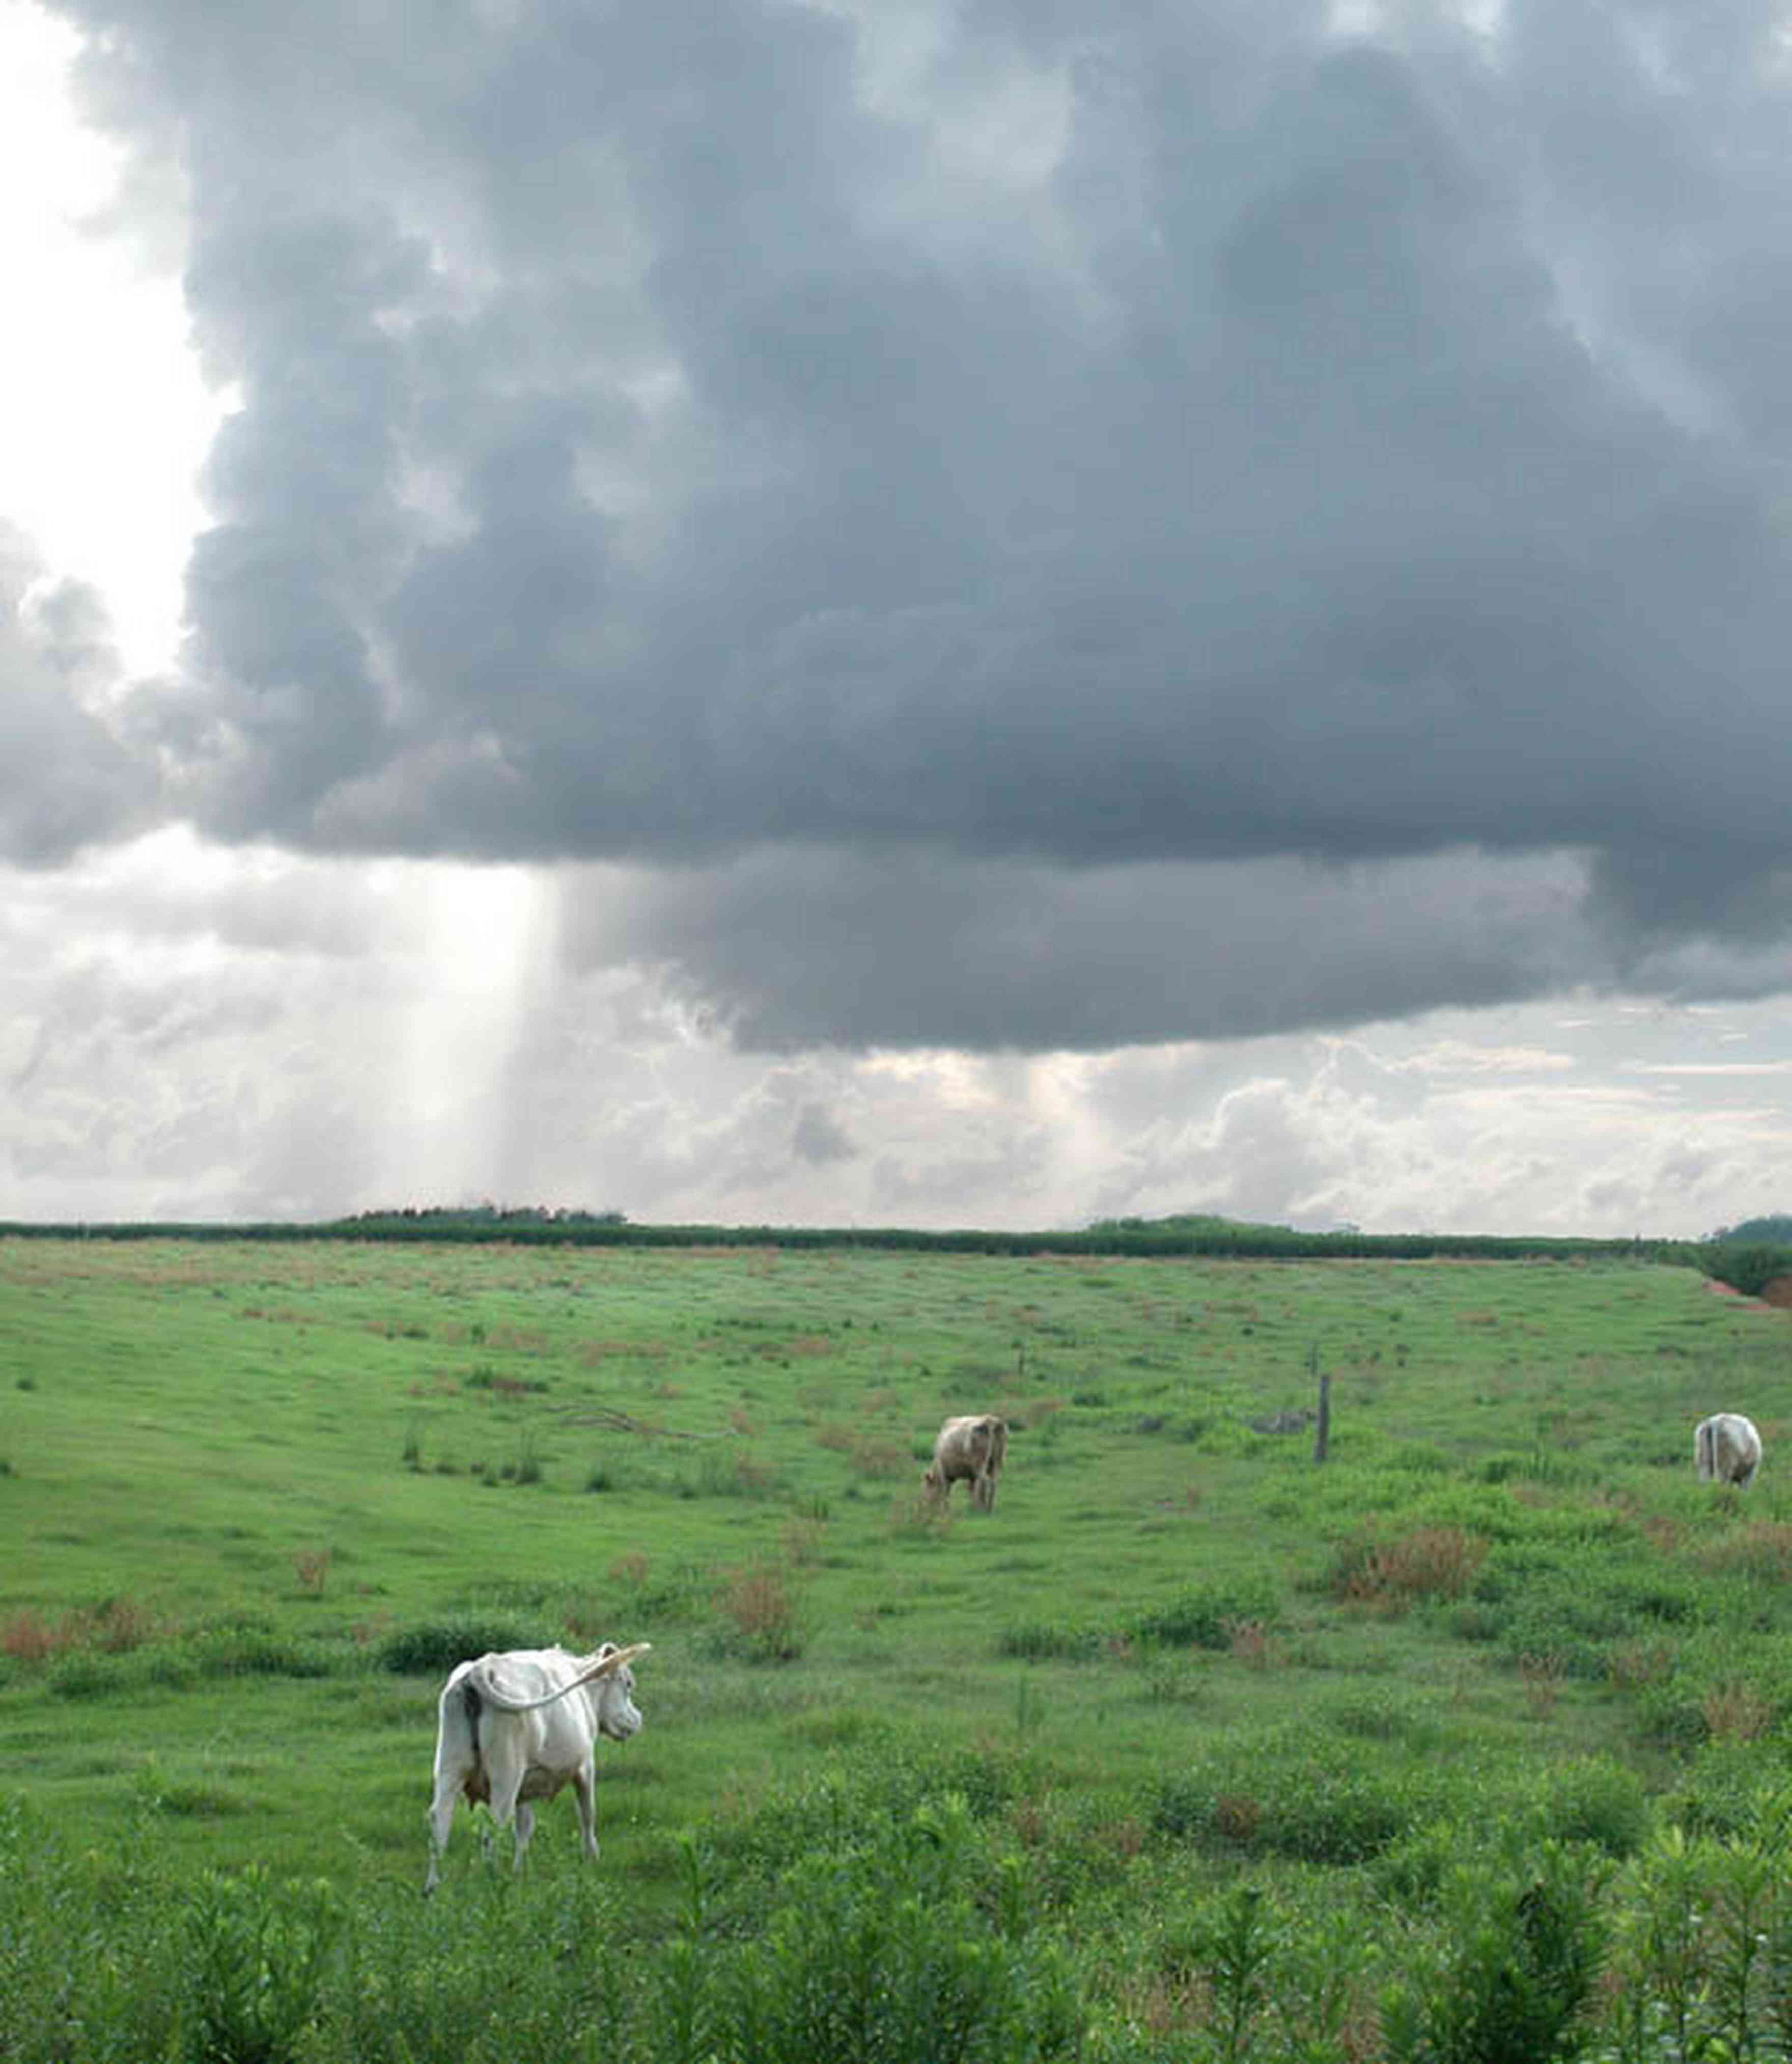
(891, 611)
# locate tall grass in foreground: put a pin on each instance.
(913, 1933)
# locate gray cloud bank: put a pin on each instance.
(187, 1032)
(1036, 525)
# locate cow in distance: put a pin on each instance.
(971, 1448)
(517, 1725)
(1727, 1450)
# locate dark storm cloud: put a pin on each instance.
(906, 952)
(1047, 446)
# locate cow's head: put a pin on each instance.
(613, 1690)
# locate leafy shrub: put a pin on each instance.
(683, 1592)
(1299, 1803)
(1727, 1790)
(252, 1654)
(84, 1676)
(1339, 1817)
(1045, 1641)
(1203, 1619)
(1511, 1979)
(1413, 1871)
(883, 1954)
(436, 1645)
(1579, 1614)
(1368, 1716)
(257, 1960)
(485, 1378)
(1671, 1716)
(1595, 1799)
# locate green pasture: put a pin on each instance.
(255, 1498)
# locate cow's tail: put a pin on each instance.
(998, 1442)
(480, 1685)
(1703, 1447)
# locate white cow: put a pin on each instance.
(1727, 1449)
(971, 1447)
(515, 1725)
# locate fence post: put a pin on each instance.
(1322, 1431)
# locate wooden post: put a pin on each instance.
(1322, 1431)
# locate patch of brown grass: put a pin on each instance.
(1762, 1549)
(1238, 1817)
(872, 1457)
(1166, 2006)
(1249, 1643)
(519, 1339)
(594, 1352)
(28, 1637)
(509, 1386)
(919, 1513)
(1737, 1712)
(760, 1604)
(1541, 1676)
(115, 1626)
(1125, 1837)
(801, 1541)
(1431, 1562)
(1634, 1666)
(118, 1624)
(754, 1477)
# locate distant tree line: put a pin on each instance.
(1184, 1235)
(487, 1217)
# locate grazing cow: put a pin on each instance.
(514, 1727)
(971, 1447)
(1727, 1449)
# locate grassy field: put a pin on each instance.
(256, 1498)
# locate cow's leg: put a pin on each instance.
(585, 1791)
(505, 1768)
(442, 1817)
(526, 1830)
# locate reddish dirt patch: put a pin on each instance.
(1730, 1290)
